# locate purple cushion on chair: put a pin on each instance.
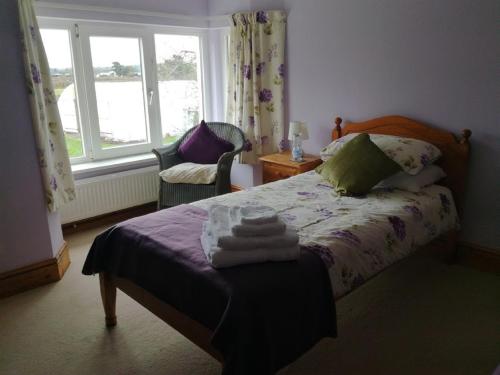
(204, 146)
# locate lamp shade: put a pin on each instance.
(298, 128)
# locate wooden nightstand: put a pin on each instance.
(279, 166)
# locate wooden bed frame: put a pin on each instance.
(453, 161)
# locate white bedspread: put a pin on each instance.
(356, 237)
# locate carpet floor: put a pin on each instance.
(418, 317)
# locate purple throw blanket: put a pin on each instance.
(263, 316)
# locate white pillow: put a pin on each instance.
(411, 154)
(334, 147)
(404, 181)
(190, 173)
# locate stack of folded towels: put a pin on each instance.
(241, 235)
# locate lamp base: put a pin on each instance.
(297, 153)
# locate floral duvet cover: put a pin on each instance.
(356, 237)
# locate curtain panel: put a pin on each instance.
(47, 127)
(256, 74)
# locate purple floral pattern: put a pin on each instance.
(324, 212)
(445, 203)
(247, 146)
(425, 160)
(357, 281)
(399, 227)
(53, 160)
(247, 71)
(260, 68)
(415, 211)
(288, 217)
(324, 186)
(323, 252)
(308, 194)
(251, 121)
(261, 17)
(445, 206)
(284, 145)
(256, 52)
(53, 183)
(355, 238)
(412, 155)
(346, 235)
(281, 70)
(33, 33)
(265, 95)
(35, 74)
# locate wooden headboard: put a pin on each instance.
(455, 150)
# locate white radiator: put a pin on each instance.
(100, 195)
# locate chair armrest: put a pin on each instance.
(223, 179)
(167, 155)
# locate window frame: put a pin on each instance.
(86, 32)
(80, 32)
(203, 69)
(80, 93)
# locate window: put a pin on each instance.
(123, 89)
(58, 48)
(119, 90)
(179, 83)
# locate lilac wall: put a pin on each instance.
(434, 61)
(27, 233)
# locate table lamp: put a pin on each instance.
(297, 131)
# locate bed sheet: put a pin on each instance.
(356, 237)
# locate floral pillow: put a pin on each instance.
(411, 154)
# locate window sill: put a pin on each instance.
(109, 166)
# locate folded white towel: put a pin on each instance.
(258, 215)
(222, 218)
(219, 258)
(251, 230)
(233, 243)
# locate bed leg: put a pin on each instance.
(108, 295)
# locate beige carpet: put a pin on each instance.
(418, 317)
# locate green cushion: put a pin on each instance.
(357, 167)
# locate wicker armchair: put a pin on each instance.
(175, 194)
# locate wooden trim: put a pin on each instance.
(109, 218)
(198, 333)
(108, 296)
(117, 216)
(63, 260)
(190, 328)
(479, 257)
(235, 188)
(34, 275)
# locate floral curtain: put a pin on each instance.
(256, 81)
(49, 136)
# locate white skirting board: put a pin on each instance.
(104, 194)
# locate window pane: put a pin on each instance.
(58, 50)
(177, 60)
(119, 90)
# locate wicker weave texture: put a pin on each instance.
(175, 194)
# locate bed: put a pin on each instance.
(382, 227)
